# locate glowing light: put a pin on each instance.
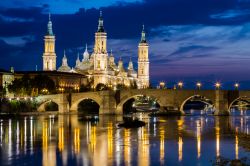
(77, 140)
(180, 84)
(110, 140)
(217, 133)
(198, 135)
(198, 84)
(236, 145)
(162, 145)
(217, 85)
(61, 90)
(180, 144)
(45, 136)
(93, 138)
(236, 86)
(127, 154)
(31, 135)
(143, 148)
(162, 84)
(61, 139)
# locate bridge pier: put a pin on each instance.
(221, 103)
(108, 105)
(63, 103)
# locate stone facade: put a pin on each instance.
(111, 102)
(49, 55)
(100, 65)
(6, 79)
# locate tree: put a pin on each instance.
(26, 85)
(101, 86)
(120, 86)
(41, 82)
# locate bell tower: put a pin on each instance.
(100, 48)
(49, 55)
(143, 62)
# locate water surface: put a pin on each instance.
(70, 140)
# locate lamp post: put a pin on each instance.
(162, 85)
(236, 86)
(180, 85)
(61, 90)
(198, 84)
(217, 85)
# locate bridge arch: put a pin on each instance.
(201, 98)
(74, 106)
(241, 98)
(43, 104)
(125, 99)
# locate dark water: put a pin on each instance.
(70, 140)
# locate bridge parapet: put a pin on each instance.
(111, 102)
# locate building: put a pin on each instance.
(61, 79)
(6, 78)
(100, 66)
(49, 55)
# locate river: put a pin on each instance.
(70, 140)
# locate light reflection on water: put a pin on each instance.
(68, 139)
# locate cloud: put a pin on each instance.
(231, 14)
(187, 39)
(64, 6)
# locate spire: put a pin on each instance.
(64, 60)
(64, 54)
(130, 65)
(86, 54)
(78, 61)
(100, 23)
(86, 48)
(50, 30)
(120, 65)
(111, 52)
(78, 58)
(143, 35)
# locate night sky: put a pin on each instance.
(190, 40)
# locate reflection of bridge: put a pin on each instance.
(111, 102)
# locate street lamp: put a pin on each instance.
(77, 89)
(61, 90)
(162, 85)
(217, 85)
(180, 85)
(44, 91)
(236, 86)
(198, 84)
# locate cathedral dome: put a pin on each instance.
(64, 67)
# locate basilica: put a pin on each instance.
(100, 66)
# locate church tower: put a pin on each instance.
(49, 55)
(100, 48)
(143, 62)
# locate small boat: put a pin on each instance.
(131, 124)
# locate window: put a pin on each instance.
(98, 64)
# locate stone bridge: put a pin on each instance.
(111, 102)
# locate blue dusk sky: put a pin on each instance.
(190, 40)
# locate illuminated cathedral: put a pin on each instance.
(100, 66)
